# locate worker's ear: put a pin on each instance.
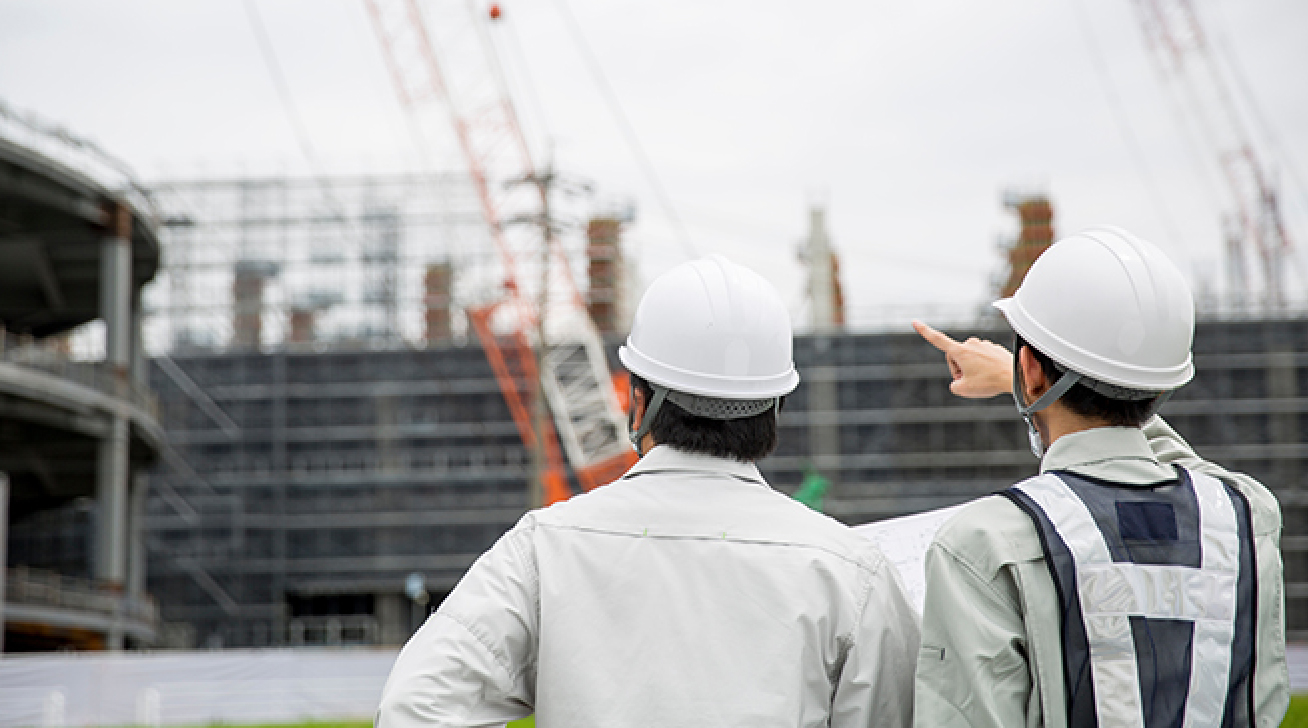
(1034, 381)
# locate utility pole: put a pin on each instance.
(540, 467)
(546, 182)
(540, 410)
(827, 312)
(821, 276)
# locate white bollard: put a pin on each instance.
(148, 708)
(52, 715)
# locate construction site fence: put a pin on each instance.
(231, 687)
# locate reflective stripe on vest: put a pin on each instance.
(1152, 570)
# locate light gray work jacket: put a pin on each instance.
(687, 593)
(991, 642)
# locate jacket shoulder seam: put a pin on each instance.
(859, 562)
(485, 643)
(987, 582)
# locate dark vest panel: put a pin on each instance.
(1158, 525)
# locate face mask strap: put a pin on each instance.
(646, 422)
(1060, 388)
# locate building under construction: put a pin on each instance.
(336, 479)
(337, 447)
(319, 483)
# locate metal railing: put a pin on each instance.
(349, 629)
(83, 156)
(37, 587)
(43, 356)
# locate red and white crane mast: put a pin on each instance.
(1254, 224)
(447, 75)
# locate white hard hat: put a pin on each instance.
(1109, 306)
(715, 329)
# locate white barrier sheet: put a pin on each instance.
(905, 541)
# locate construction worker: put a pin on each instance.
(688, 592)
(1130, 583)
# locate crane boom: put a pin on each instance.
(1254, 224)
(470, 90)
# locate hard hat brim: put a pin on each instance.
(706, 385)
(1088, 363)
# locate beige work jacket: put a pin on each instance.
(688, 593)
(991, 644)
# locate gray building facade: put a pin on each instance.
(314, 485)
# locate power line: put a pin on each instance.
(1255, 109)
(292, 111)
(624, 124)
(274, 69)
(1124, 125)
(526, 80)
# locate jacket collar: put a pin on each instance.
(663, 458)
(1119, 454)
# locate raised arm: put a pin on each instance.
(980, 368)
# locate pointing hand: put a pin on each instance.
(980, 368)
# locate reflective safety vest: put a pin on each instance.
(1158, 589)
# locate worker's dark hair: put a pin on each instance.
(746, 439)
(1086, 402)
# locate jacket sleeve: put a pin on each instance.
(1271, 674)
(972, 668)
(875, 686)
(473, 662)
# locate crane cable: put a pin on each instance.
(279, 82)
(1227, 51)
(292, 112)
(1124, 126)
(624, 124)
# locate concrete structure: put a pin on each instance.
(605, 274)
(1036, 217)
(76, 244)
(826, 298)
(438, 284)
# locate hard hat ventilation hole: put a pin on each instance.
(721, 409)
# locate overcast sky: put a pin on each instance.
(908, 119)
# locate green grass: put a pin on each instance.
(528, 722)
(313, 724)
(1297, 715)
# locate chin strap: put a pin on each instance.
(646, 422)
(1060, 388)
(1158, 403)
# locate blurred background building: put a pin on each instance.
(76, 437)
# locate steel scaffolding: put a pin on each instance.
(347, 471)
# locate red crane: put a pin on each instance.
(1254, 223)
(443, 63)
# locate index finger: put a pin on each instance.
(935, 338)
